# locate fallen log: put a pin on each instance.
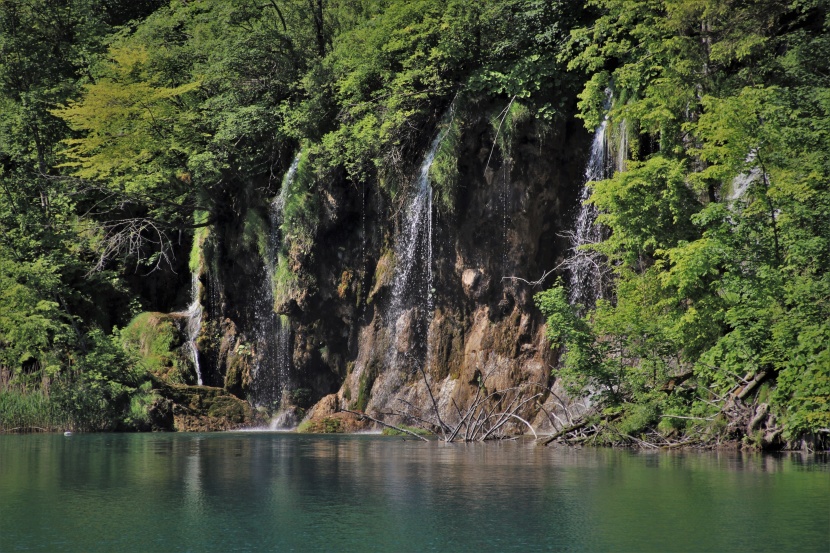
(752, 384)
(565, 431)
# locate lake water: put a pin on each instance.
(285, 492)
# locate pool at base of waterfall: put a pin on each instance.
(290, 492)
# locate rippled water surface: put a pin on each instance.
(285, 492)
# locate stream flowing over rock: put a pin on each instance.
(396, 295)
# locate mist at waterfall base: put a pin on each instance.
(288, 492)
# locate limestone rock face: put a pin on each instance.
(479, 328)
(475, 284)
(355, 341)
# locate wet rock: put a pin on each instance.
(404, 331)
(475, 283)
(201, 408)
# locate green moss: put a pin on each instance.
(301, 212)
(196, 262)
(443, 173)
(157, 341)
(227, 408)
(414, 429)
(286, 284)
(255, 233)
(365, 383)
(328, 425)
(236, 377)
(506, 125)
(384, 271)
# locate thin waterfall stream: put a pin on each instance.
(588, 269)
(412, 293)
(194, 326)
(271, 372)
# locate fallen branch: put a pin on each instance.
(534, 283)
(392, 426)
(686, 418)
(566, 431)
(757, 379)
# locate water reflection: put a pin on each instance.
(277, 492)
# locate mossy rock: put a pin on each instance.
(158, 339)
(384, 273)
(204, 408)
(327, 425)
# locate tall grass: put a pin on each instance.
(28, 412)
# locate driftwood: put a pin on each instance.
(760, 414)
(387, 425)
(752, 384)
(483, 419)
(565, 431)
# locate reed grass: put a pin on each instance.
(28, 412)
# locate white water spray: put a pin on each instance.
(588, 269)
(272, 368)
(194, 326)
(413, 300)
(413, 248)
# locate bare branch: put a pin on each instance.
(380, 422)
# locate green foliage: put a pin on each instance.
(443, 173)
(588, 363)
(719, 234)
(804, 383)
(114, 141)
(157, 341)
(649, 208)
(30, 321)
(99, 394)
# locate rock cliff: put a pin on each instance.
(363, 327)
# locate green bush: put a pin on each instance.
(98, 394)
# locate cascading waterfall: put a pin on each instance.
(194, 326)
(588, 272)
(412, 293)
(271, 372)
(741, 182)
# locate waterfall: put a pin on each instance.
(194, 326)
(588, 272)
(736, 190)
(412, 293)
(271, 372)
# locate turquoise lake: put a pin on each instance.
(253, 491)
